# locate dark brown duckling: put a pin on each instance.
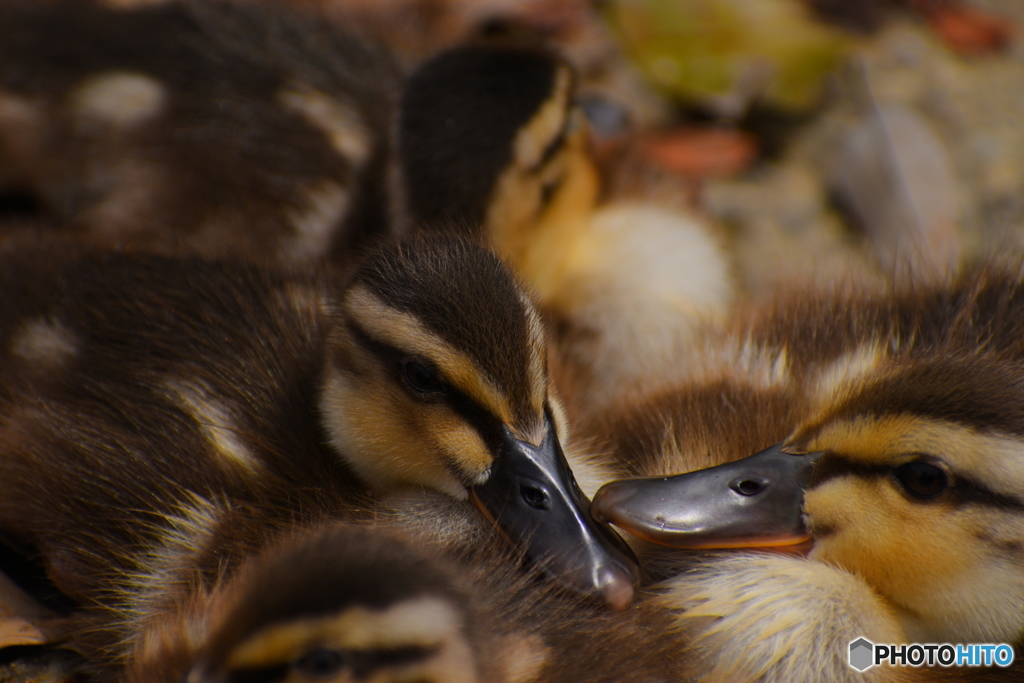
(904, 407)
(195, 128)
(141, 393)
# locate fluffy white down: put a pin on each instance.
(643, 280)
(773, 618)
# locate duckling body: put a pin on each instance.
(401, 597)
(908, 403)
(200, 128)
(142, 396)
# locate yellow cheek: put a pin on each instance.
(388, 438)
(391, 439)
(540, 243)
(463, 447)
(905, 550)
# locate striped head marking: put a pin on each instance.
(436, 350)
(529, 179)
(920, 491)
(437, 377)
(475, 97)
(342, 605)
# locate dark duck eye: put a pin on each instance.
(421, 378)
(320, 663)
(922, 479)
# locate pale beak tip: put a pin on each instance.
(617, 587)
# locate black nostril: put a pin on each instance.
(535, 497)
(747, 487)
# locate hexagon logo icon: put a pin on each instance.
(862, 654)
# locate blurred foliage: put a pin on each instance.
(725, 54)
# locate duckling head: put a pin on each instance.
(911, 477)
(436, 376)
(343, 604)
(919, 491)
(529, 181)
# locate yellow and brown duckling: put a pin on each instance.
(134, 386)
(904, 434)
(198, 128)
(625, 283)
(406, 596)
(227, 130)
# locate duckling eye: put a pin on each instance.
(922, 479)
(320, 663)
(421, 378)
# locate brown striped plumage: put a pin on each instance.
(365, 589)
(916, 505)
(195, 128)
(143, 399)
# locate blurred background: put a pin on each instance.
(807, 133)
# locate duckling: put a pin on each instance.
(195, 128)
(385, 600)
(222, 131)
(343, 603)
(900, 411)
(624, 283)
(136, 385)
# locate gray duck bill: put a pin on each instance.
(533, 498)
(753, 502)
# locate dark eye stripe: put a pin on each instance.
(366, 662)
(831, 466)
(965, 491)
(487, 425)
(267, 674)
(970, 492)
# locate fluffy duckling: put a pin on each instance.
(133, 386)
(334, 602)
(197, 128)
(901, 412)
(399, 598)
(225, 130)
(624, 282)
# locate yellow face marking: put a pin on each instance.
(386, 436)
(462, 443)
(993, 460)
(927, 560)
(342, 124)
(537, 356)
(532, 140)
(403, 331)
(119, 98)
(521, 228)
(425, 622)
(951, 570)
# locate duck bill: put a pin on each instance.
(753, 502)
(532, 497)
